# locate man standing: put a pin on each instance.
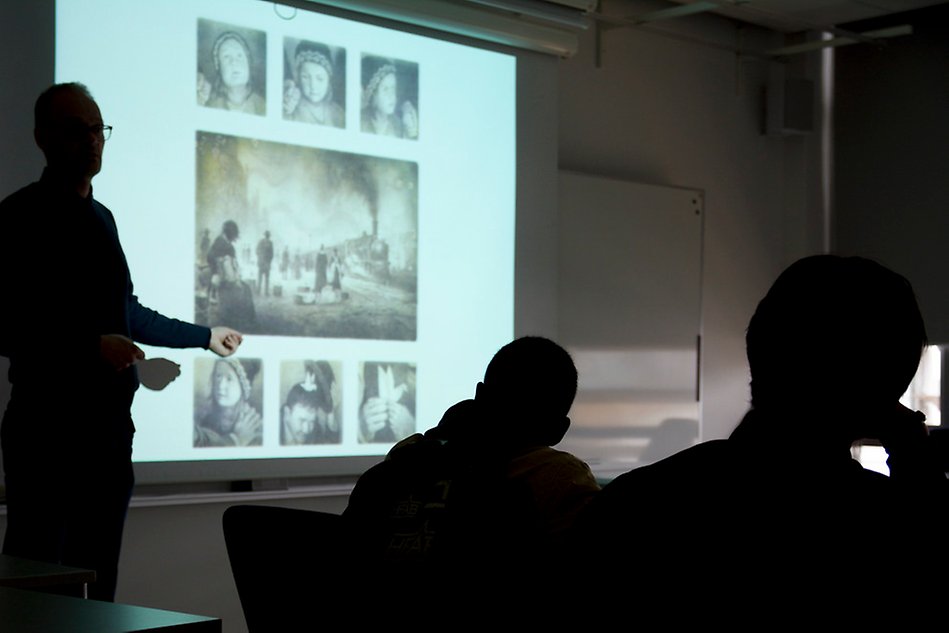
(264, 259)
(68, 329)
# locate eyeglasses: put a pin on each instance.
(77, 130)
(104, 130)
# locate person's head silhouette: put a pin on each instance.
(230, 230)
(835, 338)
(530, 384)
(68, 129)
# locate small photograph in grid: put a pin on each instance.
(387, 403)
(389, 97)
(311, 402)
(232, 67)
(228, 399)
(314, 83)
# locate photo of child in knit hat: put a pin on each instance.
(228, 396)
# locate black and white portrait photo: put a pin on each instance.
(342, 229)
(228, 396)
(389, 97)
(311, 399)
(232, 67)
(387, 403)
(314, 83)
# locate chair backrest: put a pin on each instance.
(288, 564)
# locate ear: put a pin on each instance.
(479, 392)
(40, 137)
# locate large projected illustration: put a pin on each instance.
(343, 229)
(329, 188)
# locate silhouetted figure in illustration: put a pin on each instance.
(334, 272)
(204, 246)
(284, 262)
(482, 498)
(322, 264)
(264, 260)
(235, 302)
(297, 265)
(68, 329)
(831, 348)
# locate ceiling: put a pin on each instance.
(803, 15)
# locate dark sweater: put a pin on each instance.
(66, 283)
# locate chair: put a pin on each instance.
(288, 565)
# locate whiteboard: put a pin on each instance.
(629, 311)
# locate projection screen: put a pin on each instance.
(341, 193)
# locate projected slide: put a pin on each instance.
(341, 193)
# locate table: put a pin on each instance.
(29, 574)
(24, 611)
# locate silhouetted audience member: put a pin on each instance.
(780, 510)
(483, 494)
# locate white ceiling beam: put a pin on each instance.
(868, 36)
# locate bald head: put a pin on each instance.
(68, 129)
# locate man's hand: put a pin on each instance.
(157, 373)
(224, 340)
(119, 351)
(912, 456)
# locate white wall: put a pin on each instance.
(663, 111)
